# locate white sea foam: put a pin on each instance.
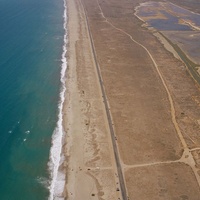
(58, 178)
(27, 132)
(43, 181)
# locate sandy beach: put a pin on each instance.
(90, 166)
(131, 112)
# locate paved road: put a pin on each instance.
(116, 154)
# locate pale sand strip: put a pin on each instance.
(89, 163)
(167, 45)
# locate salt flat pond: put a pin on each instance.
(180, 26)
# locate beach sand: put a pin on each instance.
(89, 166)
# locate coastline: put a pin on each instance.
(56, 158)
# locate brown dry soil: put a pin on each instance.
(149, 146)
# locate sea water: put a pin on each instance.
(31, 96)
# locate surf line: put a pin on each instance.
(57, 181)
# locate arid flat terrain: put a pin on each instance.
(143, 97)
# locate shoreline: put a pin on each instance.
(56, 157)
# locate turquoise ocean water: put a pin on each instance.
(31, 47)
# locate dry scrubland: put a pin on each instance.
(153, 101)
